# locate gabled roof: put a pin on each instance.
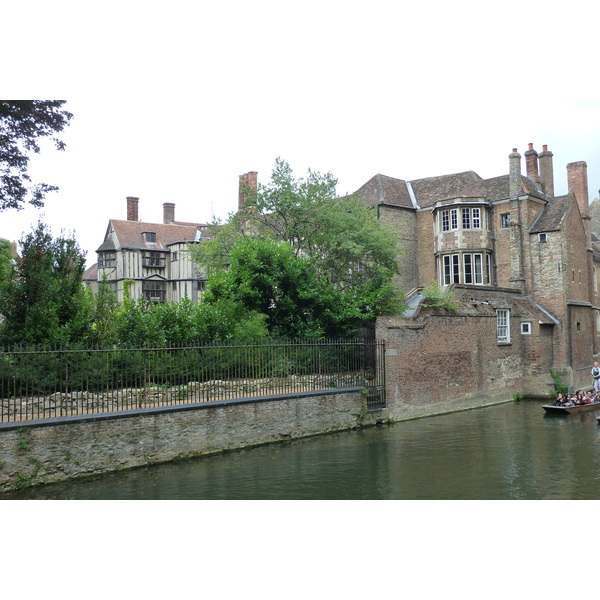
(552, 216)
(385, 190)
(429, 190)
(539, 313)
(130, 234)
(497, 188)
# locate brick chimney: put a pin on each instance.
(546, 171)
(132, 208)
(514, 177)
(578, 184)
(168, 213)
(531, 162)
(248, 184)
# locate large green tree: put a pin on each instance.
(45, 300)
(314, 263)
(6, 260)
(22, 124)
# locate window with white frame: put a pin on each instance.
(526, 328)
(451, 272)
(503, 325)
(449, 219)
(445, 216)
(473, 268)
(466, 218)
(454, 218)
(505, 220)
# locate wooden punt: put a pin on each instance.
(565, 410)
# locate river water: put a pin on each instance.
(510, 451)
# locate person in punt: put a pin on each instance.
(579, 398)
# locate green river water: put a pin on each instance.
(510, 451)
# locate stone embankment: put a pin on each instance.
(60, 404)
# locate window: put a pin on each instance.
(107, 260)
(473, 268)
(174, 256)
(503, 326)
(526, 328)
(542, 237)
(454, 218)
(451, 269)
(154, 259)
(476, 218)
(466, 218)
(154, 291)
(201, 285)
(449, 219)
(445, 222)
(150, 237)
(505, 220)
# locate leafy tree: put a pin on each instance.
(6, 260)
(45, 300)
(336, 273)
(22, 124)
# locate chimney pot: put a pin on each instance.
(531, 162)
(546, 171)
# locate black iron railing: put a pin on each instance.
(53, 382)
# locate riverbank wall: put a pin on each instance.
(53, 450)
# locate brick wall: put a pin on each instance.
(453, 359)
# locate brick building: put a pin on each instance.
(522, 265)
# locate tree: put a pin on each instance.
(22, 124)
(45, 300)
(6, 260)
(336, 272)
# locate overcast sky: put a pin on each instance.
(172, 102)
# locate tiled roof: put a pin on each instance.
(539, 313)
(385, 190)
(129, 234)
(497, 188)
(552, 215)
(381, 189)
(430, 190)
(91, 272)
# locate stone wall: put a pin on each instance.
(51, 450)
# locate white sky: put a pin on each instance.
(173, 101)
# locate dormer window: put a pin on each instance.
(150, 237)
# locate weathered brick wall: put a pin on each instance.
(454, 360)
(426, 255)
(75, 447)
(403, 222)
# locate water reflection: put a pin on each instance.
(511, 451)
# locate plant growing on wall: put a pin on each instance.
(436, 295)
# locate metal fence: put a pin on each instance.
(55, 382)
